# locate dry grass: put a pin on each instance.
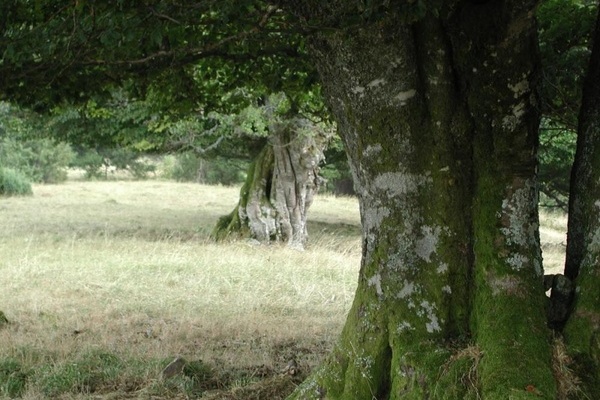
(569, 384)
(126, 270)
(553, 235)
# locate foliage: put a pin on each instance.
(13, 183)
(565, 29)
(102, 162)
(556, 154)
(189, 167)
(336, 171)
(49, 52)
(24, 147)
(41, 160)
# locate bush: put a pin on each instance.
(41, 160)
(98, 163)
(14, 183)
(188, 167)
(91, 162)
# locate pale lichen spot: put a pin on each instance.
(376, 82)
(396, 62)
(403, 97)
(520, 229)
(407, 290)
(519, 88)
(445, 169)
(426, 246)
(517, 261)
(372, 150)
(360, 90)
(428, 310)
(375, 281)
(404, 326)
(442, 268)
(373, 216)
(510, 122)
(398, 184)
(447, 289)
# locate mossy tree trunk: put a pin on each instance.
(438, 116)
(582, 329)
(280, 186)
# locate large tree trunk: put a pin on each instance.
(438, 115)
(582, 330)
(280, 187)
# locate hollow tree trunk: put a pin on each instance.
(279, 188)
(439, 121)
(582, 330)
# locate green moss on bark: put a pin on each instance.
(259, 173)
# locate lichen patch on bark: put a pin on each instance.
(398, 184)
(404, 96)
(515, 215)
(426, 246)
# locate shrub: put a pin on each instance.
(91, 162)
(98, 163)
(41, 160)
(14, 183)
(189, 167)
(51, 161)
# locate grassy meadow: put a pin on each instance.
(104, 283)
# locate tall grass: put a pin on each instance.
(105, 282)
(123, 273)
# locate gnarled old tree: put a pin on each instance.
(436, 104)
(281, 182)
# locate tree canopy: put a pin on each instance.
(189, 52)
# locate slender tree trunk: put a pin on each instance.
(279, 188)
(582, 330)
(438, 115)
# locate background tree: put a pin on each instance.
(27, 146)
(582, 330)
(565, 30)
(283, 179)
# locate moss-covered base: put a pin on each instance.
(425, 371)
(254, 200)
(230, 226)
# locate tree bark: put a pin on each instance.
(582, 330)
(438, 116)
(279, 188)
